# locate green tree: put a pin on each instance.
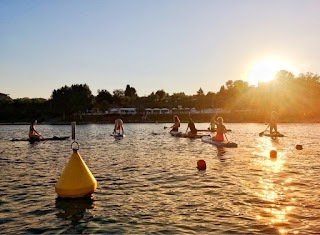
(70, 100)
(200, 92)
(161, 94)
(81, 98)
(130, 92)
(103, 100)
(60, 100)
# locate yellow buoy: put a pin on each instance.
(76, 179)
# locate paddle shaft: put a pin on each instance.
(226, 136)
(261, 133)
(38, 134)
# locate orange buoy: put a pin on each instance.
(299, 147)
(76, 179)
(273, 154)
(201, 165)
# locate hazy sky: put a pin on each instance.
(174, 45)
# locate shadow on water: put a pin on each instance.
(220, 153)
(75, 210)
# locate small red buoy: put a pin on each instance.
(273, 154)
(299, 147)
(201, 165)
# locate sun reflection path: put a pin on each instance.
(272, 187)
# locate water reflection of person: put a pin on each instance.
(221, 151)
(74, 209)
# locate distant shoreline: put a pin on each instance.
(160, 118)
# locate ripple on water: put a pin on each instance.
(149, 183)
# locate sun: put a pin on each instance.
(266, 70)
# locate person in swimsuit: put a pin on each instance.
(273, 122)
(212, 124)
(221, 129)
(193, 129)
(176, 125)
(33, 133)
(118, 127)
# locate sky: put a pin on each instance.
(171, 45)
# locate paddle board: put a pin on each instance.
(44, 139)
(227, 144)
(273, 135)
(183, 135)
(118, 136)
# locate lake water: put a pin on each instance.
(148, 182)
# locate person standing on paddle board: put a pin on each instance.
(273, 122)
(193, 130)
(176, 125)
(118, 127)
(33, 133)
(221, 129)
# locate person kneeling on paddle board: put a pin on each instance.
(221, 129)
(273, 122)
(33, 134)
(212, 124)
(193, 130)
(118, 127)
(176, 125)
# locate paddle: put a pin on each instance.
(225, 136)
(261, 133)
(41, 137)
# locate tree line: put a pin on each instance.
(296, 98)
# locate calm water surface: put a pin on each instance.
(148, 182)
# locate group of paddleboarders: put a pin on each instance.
(221, 129)
(217, 125)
